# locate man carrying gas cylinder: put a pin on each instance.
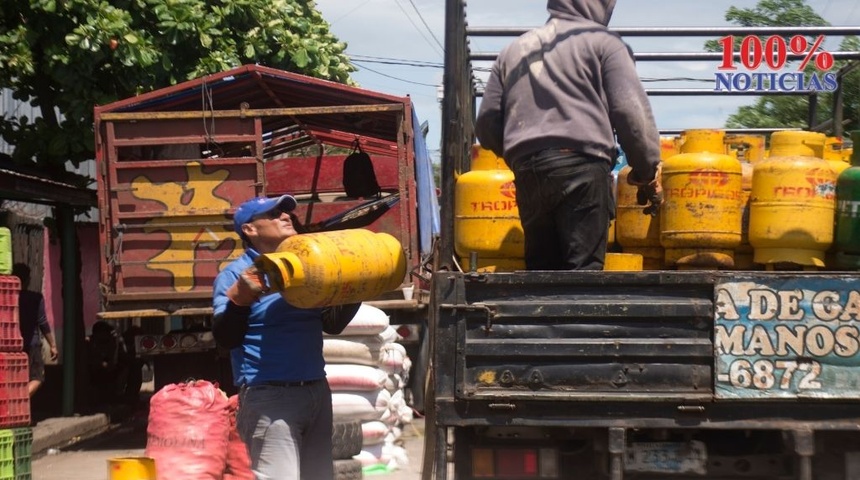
(555, 100)
(285, 409)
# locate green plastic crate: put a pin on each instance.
(22, 452)
(5, 251)
(7, 457)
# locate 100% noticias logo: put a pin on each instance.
(772, 55)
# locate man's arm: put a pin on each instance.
(230, 327)
(230, 320)
(490, 124)
(631, 115)
(335, 319)
(45, 328)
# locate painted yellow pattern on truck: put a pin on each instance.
(182, 201)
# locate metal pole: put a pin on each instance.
(69, 260)
(838, 98)
(812, 113)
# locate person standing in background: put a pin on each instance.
(33, 322)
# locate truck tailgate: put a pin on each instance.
(577, 335)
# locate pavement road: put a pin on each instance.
(88, 460)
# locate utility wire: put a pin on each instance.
(395, 78)
(429, 30)
(348, 13)
(420, 32)
(408, 63)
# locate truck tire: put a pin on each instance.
(347, 470)
(346, 439)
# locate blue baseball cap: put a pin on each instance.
(256, 206)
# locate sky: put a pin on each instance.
(397, 45)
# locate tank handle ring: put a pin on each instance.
(283, 269)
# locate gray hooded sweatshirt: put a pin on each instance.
(569, 84)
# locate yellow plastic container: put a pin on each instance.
(623, 262)
(636, 232)
(700, 222)
(332, 268)
(131, 468)
(792, 143)
(486, 218)
(792, 209)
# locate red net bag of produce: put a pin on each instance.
(238, 462)
(189, 425)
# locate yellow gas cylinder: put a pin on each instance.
(700, 223)
(486, 218)
(332, 268)
(668, 146)
(703, 140)
(792, 209)
(749, 148)
(834, 155)
(790, 143)
(636, 232)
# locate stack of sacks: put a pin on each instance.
(367, 370)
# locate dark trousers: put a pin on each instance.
(565, 203)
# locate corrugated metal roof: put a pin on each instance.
(258, 87)
(10, 107)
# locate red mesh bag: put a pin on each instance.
(188, 431)
(238, 462)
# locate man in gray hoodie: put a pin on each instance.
(555, 100)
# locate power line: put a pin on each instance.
(395, 78)
(426, 26)
(408, 17)
(348, 13)
(396, 61)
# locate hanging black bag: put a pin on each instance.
(359, 179)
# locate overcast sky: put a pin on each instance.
(411, 32)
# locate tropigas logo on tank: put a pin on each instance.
(705, 184)
(508, 189)
(709, 178)
(822, 184)
(505, 202)
(819, 184)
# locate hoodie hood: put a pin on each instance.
(597, 11)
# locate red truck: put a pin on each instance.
(174, 163)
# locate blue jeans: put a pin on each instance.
(565, 203)
(287, 431)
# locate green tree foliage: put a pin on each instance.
(66, 56)
(790, 110)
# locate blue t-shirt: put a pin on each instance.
(283, 343)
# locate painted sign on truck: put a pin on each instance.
(787, 337)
